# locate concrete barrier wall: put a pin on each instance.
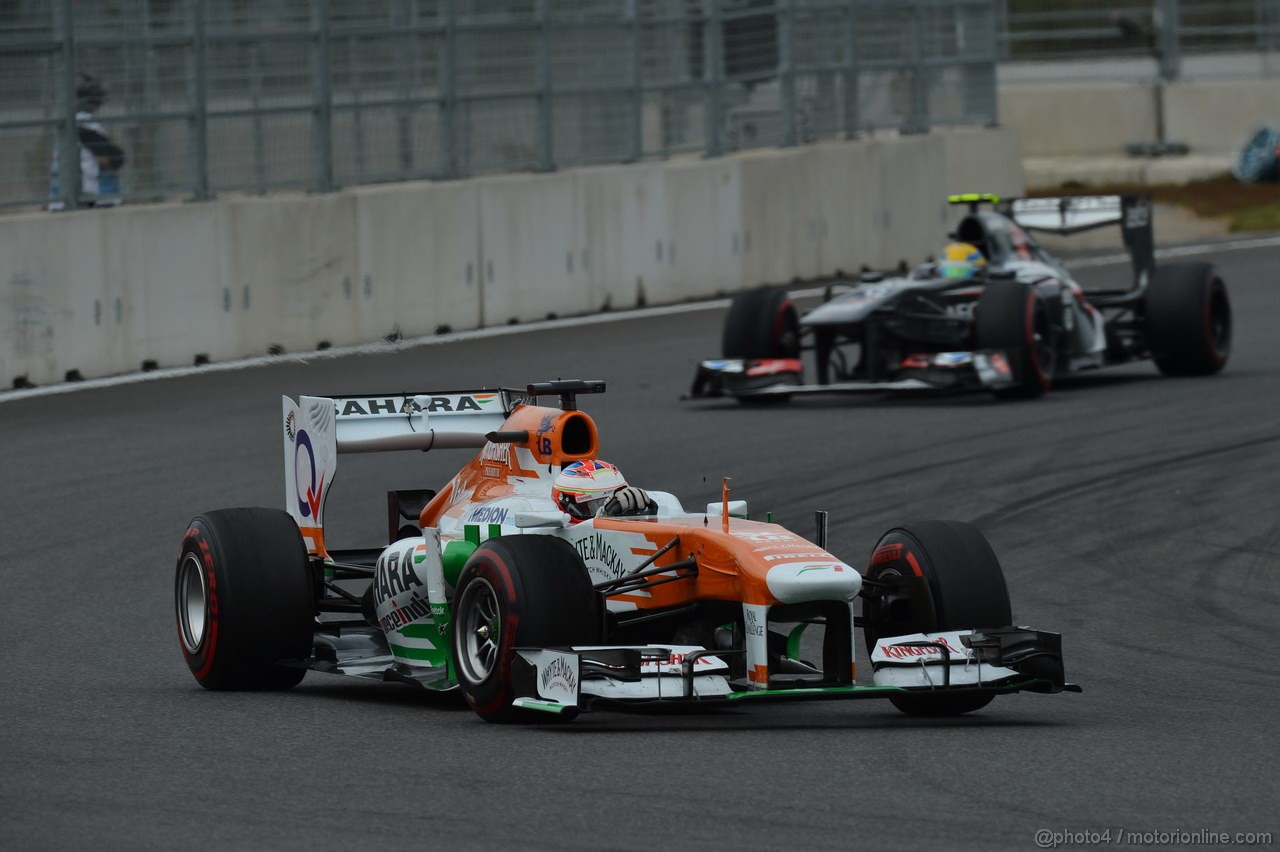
(1212, 117)
(103, 292)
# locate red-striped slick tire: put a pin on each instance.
(953, 582)
(244, 600)
(517, 591)
(1013, 316)
(1188, 319)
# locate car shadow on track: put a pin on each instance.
(386, 695)
(667, 723)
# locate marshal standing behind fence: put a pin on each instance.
(100, 157)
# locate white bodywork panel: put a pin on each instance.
(899, 664)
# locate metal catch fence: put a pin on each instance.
(200, 97)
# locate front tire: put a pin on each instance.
(245, 600)
(1014, 317)
(762, 323)
(1188, 319)
(953, 582)
(523, 590)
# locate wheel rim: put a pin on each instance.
(881, 622)
(193, 603)
(481, 631)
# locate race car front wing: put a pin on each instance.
(737, 377)
(1004, 660)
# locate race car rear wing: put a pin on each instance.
(318, 428)
(1069, 215)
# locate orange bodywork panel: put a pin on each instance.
(731, 567)
(553, 438)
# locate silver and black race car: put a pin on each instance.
(1012, 328)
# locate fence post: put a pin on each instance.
(713, 75)
(918, 120)
(322, 107)
(637, 90)
(1168, 49)
(546, 142)
(407, 89)
(69, 140)
(787, 69)
(852, 118)
(200, 109)
(448, 89)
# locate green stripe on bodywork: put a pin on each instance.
(435, 656)
(793, 640)
(544, 706)
(428, 631)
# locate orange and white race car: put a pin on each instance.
(489, 586)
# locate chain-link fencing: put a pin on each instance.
(199, 97)
(1164, 31)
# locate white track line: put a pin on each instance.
(526, 328)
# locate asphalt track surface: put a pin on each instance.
(1135, 514)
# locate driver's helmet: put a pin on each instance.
(961, 260)
(583, 487)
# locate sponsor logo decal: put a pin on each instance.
(500, 453)
(1137, 216)
(832, 566)
(394, 575)
(806, 554)
(795, 546)
(887, 553)
(598, 553)
(911, 652)
(754, 626)
(559, 676)
(487, 515)
(310, 500)
(675, 659)
(459, 404)
(766, 536)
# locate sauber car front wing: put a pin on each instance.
(940, 371)
(1004, 660)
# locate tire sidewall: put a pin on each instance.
(493, 693)
(198, 543)
(1006, 320)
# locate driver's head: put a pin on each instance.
(583, 487)
(961, 260)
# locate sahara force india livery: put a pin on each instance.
(487, 587)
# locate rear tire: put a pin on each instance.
(245, 600)
(1188, 319)
(960, 586)
(522, 590)
(762, 323)
(1014, 317)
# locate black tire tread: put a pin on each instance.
(967, 588)
(750, 326)
(265, 598)
(1000, 323)
(1175, 306)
